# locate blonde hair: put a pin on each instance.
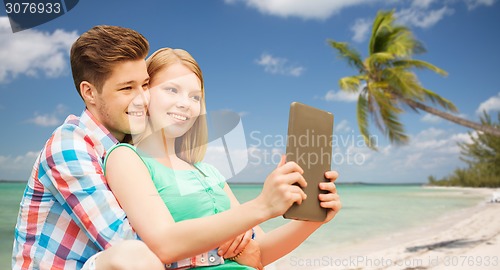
(190, 147)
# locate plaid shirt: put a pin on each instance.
(67, 212)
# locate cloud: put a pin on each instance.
(33, 52)
(49, 119)
(276, 65)
(472, 4)
(422, 3)
(311, 9)
(431, 119)
(420, 16)
(17, 167)
(430, 152)
(342, 126)
(361, 29)
(341, 96)
(491, 104)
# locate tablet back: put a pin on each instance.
(309, 144)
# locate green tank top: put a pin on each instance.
(188, 194)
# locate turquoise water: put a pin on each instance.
(374, 210)
(368, 211)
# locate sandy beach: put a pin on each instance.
(464, 239)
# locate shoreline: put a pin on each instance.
(465, 238)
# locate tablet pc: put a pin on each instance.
(309, 144)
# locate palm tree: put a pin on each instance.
(386, 84)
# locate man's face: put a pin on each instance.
(121, 106)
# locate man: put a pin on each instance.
(68, 214)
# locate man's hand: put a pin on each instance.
(232, 247)
(330, 200)
(251, 256)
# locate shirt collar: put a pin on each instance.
(97, 130)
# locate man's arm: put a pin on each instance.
(72, 170)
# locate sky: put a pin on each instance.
(257, 57)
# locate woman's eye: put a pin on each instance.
(126, 88)
(196, 98)
(145, 86)
(171, 90)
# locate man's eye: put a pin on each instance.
(126, 88)
(145, 86)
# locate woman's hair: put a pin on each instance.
(191, 146)
(96, 52)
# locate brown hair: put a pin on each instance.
(97, 51)
(191, 146)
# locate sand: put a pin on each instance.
(465, 239)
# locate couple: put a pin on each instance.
(95, 203)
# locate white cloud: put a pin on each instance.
(430, 118)
(17, 167)
(341, 96)
(342, 126)
(361, 29)
(472, 4)
(491, 104)
(422, 17)
(422, 3)
(31, 52)
(276, 65)
(49, 119)
(310, 9)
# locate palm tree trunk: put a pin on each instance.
(455, 119)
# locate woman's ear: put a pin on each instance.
(87, 90)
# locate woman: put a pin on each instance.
(202, 213)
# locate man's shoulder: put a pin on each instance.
(72, 125)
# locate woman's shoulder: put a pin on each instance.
(121, 153)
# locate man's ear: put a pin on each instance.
(88, 92)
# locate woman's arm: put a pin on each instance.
(286, 238)
(130, 181)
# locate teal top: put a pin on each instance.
(188, 194)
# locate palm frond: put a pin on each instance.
(352, 83)
(381, 23)
(389, 112)
(348, 53)
(401, 42)
(378, 59)
(437, 99)
(413, 63)
(362, 115)
(403, 83)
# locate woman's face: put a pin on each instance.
(175, 100)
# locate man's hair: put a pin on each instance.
(95, 53)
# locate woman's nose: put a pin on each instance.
(142, 98)
(182, 101)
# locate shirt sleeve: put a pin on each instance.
(72, 170)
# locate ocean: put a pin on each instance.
(368, 211)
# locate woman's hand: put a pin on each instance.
(282, 188)
(330, 200)
(233, 247)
